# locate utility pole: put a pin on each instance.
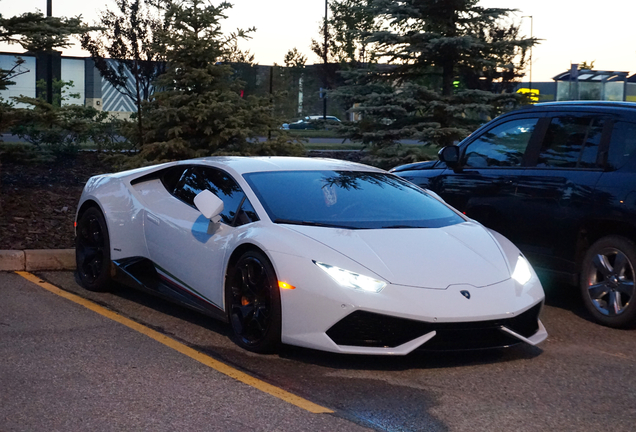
(324, 92)
(49, 60)
(531, 36)
(271, 97)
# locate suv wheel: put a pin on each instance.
(607, 281)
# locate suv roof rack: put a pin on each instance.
(588, 103)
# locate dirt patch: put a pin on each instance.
(38, 201)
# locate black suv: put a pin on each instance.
(559, 180)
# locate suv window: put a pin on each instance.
(501, 146)
(571, 142)
(622, 144)
(196, 179)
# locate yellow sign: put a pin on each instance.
(533, 94)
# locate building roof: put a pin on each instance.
(592, 75)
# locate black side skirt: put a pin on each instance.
(140, 273)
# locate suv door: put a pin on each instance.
(556, 192)
(484, 187)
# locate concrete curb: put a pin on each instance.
(37, 259)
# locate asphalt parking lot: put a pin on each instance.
(66, 367)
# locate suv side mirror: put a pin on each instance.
(208, 204)
(450, 156)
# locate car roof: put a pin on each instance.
(546, 106)
(318, 117)
(243, 164)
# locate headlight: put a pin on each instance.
(522, 273)
(352, 280)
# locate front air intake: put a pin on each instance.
(368, 329)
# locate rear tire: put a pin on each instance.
(252, 299)
(607, 281)
(92, 251)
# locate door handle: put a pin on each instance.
(152, 218)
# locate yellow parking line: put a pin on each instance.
(183, 349)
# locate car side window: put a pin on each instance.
(188, 186)
(622, 144)
(502, 146)
(571, 142)
(246, 214)
(171, 177)
(196, 179)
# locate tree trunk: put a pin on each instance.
(450, 55)
(448, 76)
(0, 190)
(140, 124)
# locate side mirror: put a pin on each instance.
(450, 156)
(208, 204)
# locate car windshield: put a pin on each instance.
(348, 199)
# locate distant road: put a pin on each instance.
(12, 138)
(340, 141)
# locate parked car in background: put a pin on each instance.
(302, 124)
(559, 180)
(319, 117)
(312, 122)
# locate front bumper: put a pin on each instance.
(322, 315)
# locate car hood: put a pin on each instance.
(415, 166)
(420, 257)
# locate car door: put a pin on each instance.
(187, 248)
(556, 191)
(484, 187)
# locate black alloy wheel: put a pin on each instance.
(253, 302)
(92, 251)
(607, 281)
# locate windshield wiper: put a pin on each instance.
(309, 223)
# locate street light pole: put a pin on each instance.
(49, 60)
(531, 36)
(324, 91)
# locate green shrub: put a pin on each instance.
(64, 130)
(24, 153)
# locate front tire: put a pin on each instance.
(607, 281)
(92, 251)
(252, 300)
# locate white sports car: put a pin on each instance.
(324, 254)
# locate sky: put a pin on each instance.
(570, 32)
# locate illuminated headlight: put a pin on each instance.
(352, 280)
(522, 273)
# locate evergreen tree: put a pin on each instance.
(7, 75)
(35, 32)
(346, 44)
(289, 85)
(57, 129)
(199, 110)
(349, 24)
(125, 47)
(444, 60)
